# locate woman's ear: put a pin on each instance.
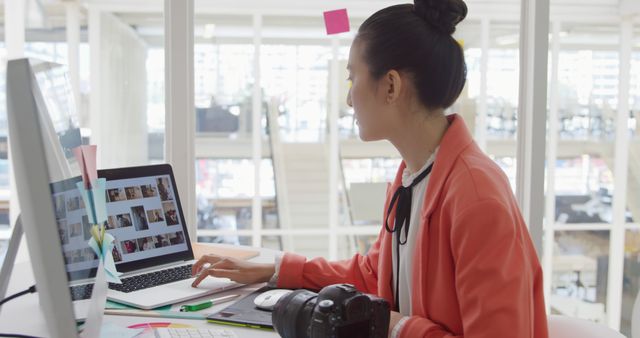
(393, 86)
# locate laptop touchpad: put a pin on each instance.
(208, 283)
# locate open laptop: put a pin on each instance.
(152, 246)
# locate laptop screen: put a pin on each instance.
(144, 217)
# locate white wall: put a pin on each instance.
(118, 92)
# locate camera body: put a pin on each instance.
(337, 311)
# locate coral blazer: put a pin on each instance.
(475, 270)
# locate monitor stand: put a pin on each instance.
(9, 259)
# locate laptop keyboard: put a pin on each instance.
(80, 292)
(151, 279)
(138, 282)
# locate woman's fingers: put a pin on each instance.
(206, 259)
(197, 266)
(214, 262)
(200, 277)
(220, 273)
(234, 269)
(224, 273)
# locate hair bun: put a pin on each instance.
(442, 15)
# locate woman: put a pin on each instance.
(454, 257)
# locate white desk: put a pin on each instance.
(23, 315)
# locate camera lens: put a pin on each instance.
(292, 314)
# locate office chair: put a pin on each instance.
(567, 327)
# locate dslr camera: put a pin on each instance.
(337, 311)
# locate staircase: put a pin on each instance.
(302, 190)
(306, 177)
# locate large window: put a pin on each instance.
(490, 109)
(583, 108)
(365, 181)
(631, 267)
(583, 190)
(223, 89)
(296, 78)
(224, 196)
(155, 103)
(580, 267)
(585, 234)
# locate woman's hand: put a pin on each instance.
(237, 270)
(394, 318)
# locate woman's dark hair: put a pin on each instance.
(416, 39)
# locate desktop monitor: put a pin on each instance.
(43, 128)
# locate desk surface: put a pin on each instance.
(23, 315)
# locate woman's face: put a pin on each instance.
(368, 97)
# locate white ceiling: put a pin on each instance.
(584, 21)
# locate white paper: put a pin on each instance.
(93, 323)
(106, 273)
(112, 275)
(100, 199)
(110, 330)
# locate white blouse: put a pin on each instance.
(407, 250)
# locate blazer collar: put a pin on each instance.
(455, 140)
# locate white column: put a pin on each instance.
(552, 154)
(334, 155)
(118, 103)
(179, 103)
(73, 50)
(14, 25)
(481, 123)
(621, 168)
(256, 136)
(532, 114)
(95, 79)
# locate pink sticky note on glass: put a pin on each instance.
(336, 21)
(86, 157)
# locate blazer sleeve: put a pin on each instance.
(361, 271)
(494, 276)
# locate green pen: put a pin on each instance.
(207, 304)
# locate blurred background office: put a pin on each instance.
(277, 160)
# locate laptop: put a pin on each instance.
(152, 247)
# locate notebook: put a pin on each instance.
(244, 313)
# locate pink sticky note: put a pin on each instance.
(336, 21)
(77, 152)
(86, 157)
